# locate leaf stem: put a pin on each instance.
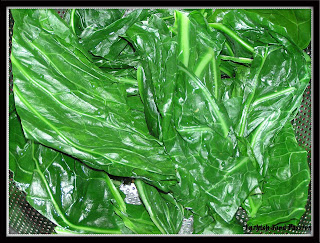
(57, 208)
(247, 104)
(273, 95)
(217, 76)
(140, 74)
(72, 20)
(183, 37)
(115, 193)
(146, 203)
(203, 62)
(243, 60)
(226, 71)
(168, 17)
(229, 49)
(211, 100)
(232, 34)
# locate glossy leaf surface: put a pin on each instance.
(69, 193)
(285, 189)
(77, 198)
(194, 105)
(66, 103)
(101, 31)
(163, 209)
(297, 23)
(275, 82)
(201, 121)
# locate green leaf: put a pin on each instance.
(163, 209)
(157, 52)
(81, 200)
(67, 103)
(80, 19)
(104, 40)
(66, 191)
(203, 145)
(19, 153)
(272, 93)
(285, 188)
(222, 228)
(296, 22)
(137, 219)
(194, 105)
(258, 25)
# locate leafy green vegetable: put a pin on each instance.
(60, 187)
(274, 86)
(87, 115)
(296, 22)
(285, 188)
(193, 105)
(74, 196)
(259, 24)
(80, 19)
(223, 228)
(201, 130)
(104, 40)
(164, 211)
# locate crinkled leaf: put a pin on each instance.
(80, 19)
(163, 209)
(296, 22)
(223, 228)
(67, 192)
(284, 192)
(273, 91)
(199, 119)
(157, 51)
(220, 136)
(104, 40)
(67, 103)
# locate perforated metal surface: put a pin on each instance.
(187, 226)
(23, 219)
(131, 192)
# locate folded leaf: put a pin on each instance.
(67, 103)
(137, 219)
(67, 192)
(296, 22)
(195, 105)
(70, 191)
(104, 40)
(97, 36)
(20, 154)
(163, 209)
(157, 51)
(285, 188)
(197, 118)
(272, 93)
(274, 85)
(80, 19)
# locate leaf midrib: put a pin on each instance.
(56, 206)
(17, 92)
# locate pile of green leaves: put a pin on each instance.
(194, 106)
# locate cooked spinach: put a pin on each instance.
(194, 106)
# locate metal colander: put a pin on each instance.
(24, 219)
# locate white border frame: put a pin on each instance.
(139, 235)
